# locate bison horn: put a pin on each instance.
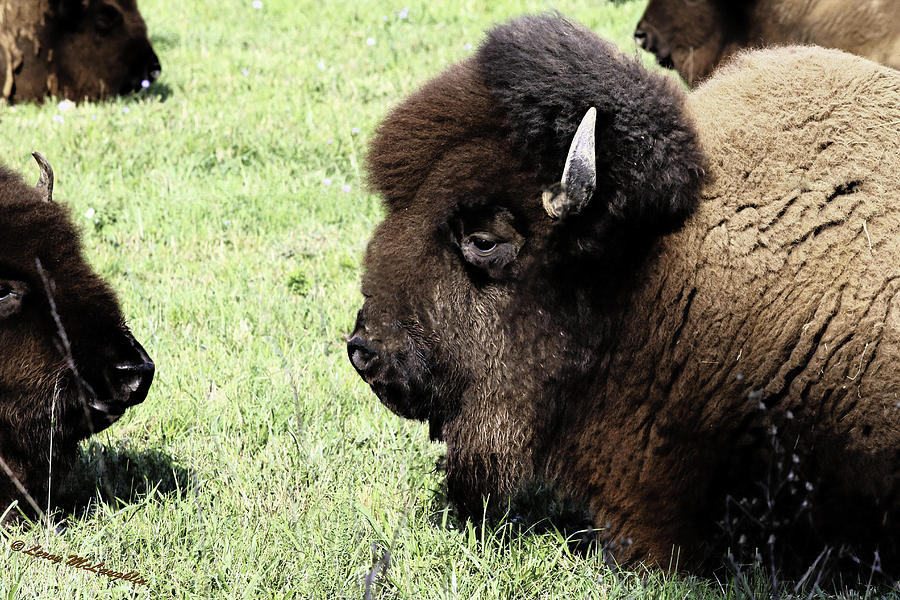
(579, 177)
(44, 185)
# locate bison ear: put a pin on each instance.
(44, 185)
(579, 178)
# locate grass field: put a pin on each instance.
(227, 206)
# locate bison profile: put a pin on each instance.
(694, 36)
(587, 279)
(69, 366)
(75, 49)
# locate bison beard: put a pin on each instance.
(636, 351)
(66, 356)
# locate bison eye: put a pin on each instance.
(11, 293)
(488, 252)
(482, 243)
(107, 18)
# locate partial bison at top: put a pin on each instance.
(694, 36)
(69, 366)
(75, 49)
(658, 304)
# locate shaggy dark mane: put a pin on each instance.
(545, 72)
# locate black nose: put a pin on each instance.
(642, 38)
(362, 354)
(132, 380)
(154, 69)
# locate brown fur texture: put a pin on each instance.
(86, 367)
(75, 49)
(651, 374)
(694, 36)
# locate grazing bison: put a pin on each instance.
(69, 366)
(707, 300)
(693, 36)
(76, 49)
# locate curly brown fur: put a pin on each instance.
(695, 36)
(70, 347)
(75, 49)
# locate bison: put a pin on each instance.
(75, 49)
(693, 36)
(679, 305)
(69, 366)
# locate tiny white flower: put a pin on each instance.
(257, 4)
(370, 42)
(384, 18)
(145, 83)
(330, 142)
(326, 181)
(58, 118)
(355, 130)
(321, 65)
(93, 117)
(403, 13)
(345, 188)
(65, 105)
(89, 214)
(126, 110)
(245, 72)
(467, 46)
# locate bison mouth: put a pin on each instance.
(104, 397)
(665, 61)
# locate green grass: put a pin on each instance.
(260, 466)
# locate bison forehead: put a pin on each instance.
(33, 230)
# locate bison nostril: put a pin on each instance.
(133, 380)
(362, 354)
(642, 39)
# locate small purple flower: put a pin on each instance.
(467, 46)
(330, 142)
(58, 118)
(370, 42)
(126, 110)
(345, 188)
(257, 4)
(326, 181)
(354, 130)
(245, 72)
(404, 12)
(227, 223)
(145, 83)
(321, 65)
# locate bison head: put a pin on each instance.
(82, 49)
(508, 236)
(69, 366)
(692, 36)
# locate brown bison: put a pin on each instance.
(69, 366)
(705, 307)
(693, 36)
(75, 49)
